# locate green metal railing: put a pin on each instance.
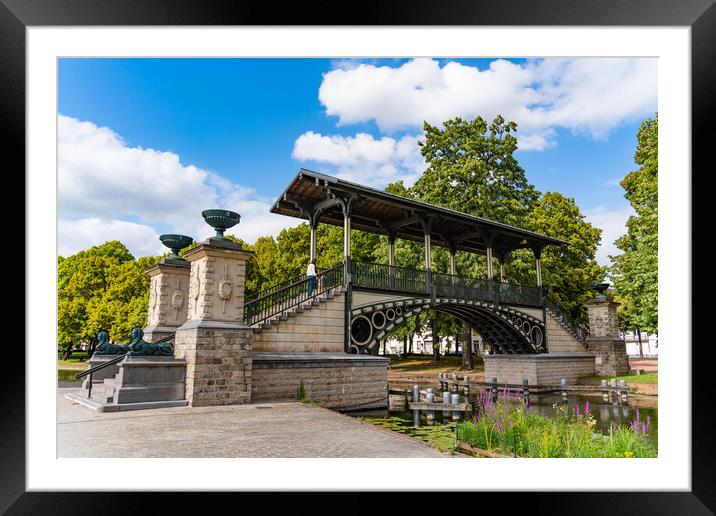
(414, 281)
(279, 298)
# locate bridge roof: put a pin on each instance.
(377, 211)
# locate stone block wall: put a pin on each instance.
(559, 339)
(218, 364)
(610, 356)
(320, 329)
(334, 380)
(540, 369)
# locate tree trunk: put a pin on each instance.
(641, 350)
(405, 346)
(90, 348)
(68, 352)
(436, 345)
(410, 350)
(466, 346)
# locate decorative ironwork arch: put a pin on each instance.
(508, 330)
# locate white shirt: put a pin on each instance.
(311, 271)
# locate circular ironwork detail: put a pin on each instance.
(399, 310)
(390, 314)
(361, 330)
(526, 327)
(378, 319)
(537, 336)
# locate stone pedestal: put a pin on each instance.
(168, 298)
(149, 379)
(539, 369)
(604, 341)
(215, 341)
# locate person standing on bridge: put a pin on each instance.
(311, 274)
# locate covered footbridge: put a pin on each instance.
(510, 317)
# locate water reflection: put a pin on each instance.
(613, 411)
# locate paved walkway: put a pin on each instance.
(265, 430)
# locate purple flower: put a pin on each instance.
(577, 409)
(648, 424)
(586, 408)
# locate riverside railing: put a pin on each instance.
(281, 297)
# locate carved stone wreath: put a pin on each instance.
(225, 287)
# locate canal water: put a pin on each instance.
(605, 414)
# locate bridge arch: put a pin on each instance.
(508, 330)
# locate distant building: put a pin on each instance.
(423, 345)
(649, 344)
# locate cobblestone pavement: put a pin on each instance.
(265, 430)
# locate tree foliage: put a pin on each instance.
(635, 271)
(101, 288)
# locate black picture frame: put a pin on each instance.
(700, 15)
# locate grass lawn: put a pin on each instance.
(422, 363)
(67, 375)
(648, 378)
(77, 358)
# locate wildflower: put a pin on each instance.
(648, 424)
(577, 410)
(628, 454)
(586, 408)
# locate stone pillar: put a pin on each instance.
(538, 264)
(215, 341)
(168, 298)
(312, 252)
(604, 340)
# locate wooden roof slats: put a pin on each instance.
(376, 211)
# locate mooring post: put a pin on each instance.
(454, 385)
(625, 399)
(416, 399)
(430, 398)
(525, 389)
(446, 402)
(613, 383)
(563, 382)
(466, 388)
(455, 400)
(605, 392)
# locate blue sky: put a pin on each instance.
(145, 144)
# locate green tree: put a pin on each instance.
(635, 271)
(568, 271)
(101, 288)
(472, 168)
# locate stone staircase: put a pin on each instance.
(102, 392)
(568, 327)
(561, 335)
(298, 309)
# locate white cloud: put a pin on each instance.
(588, 96)
(362, 157)
(613, 225)
(74, 235)
(591, 95)
(102, 181)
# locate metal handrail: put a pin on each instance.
(250, 296)
(271, 304)
(580, 331)
(96, 368)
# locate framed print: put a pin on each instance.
(190, 155)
